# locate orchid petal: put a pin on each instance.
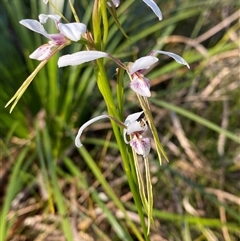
(124, 136)
(132, 118)
(80, 58)
(77, 139)
(57, 38)
(176, 57)
(34, 25)
(137, 126)
(141, 146)
(142, 63)
(134, 125)
(141, 86)
(116, 3)
(72, 31)
(42, 53)
(154, 7)
(43, 18)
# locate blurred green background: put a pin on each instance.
(48, 189)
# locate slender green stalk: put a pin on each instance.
(107, 95)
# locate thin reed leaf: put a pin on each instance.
(92, 165)
(197, 119)
(56, 192)
(12, 189)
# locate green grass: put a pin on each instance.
(50, 190)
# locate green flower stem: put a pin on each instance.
(99, 13)
(103, 84)
(96, 19)
(149, 193)
(103, 6)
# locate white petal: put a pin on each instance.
(142, 63)
(124, 136)
(141, 86)
(43, 18)
(132, 118)
(34, 25)
(141, 146)
(45, 1)
(72, 31)
(80, 58)
(135, 125)
(114, 2)
(42, 53)
(154, 7)
(77, 139)
(176, 57)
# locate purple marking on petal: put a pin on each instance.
(42, 53)
(141, 86)
(57, 38)
(140, 145)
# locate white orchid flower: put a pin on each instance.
(139, 83)
(134, 126)
(66, 33)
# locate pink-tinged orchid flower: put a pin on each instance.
(66, 32)
(134, 126)
(139, 83)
